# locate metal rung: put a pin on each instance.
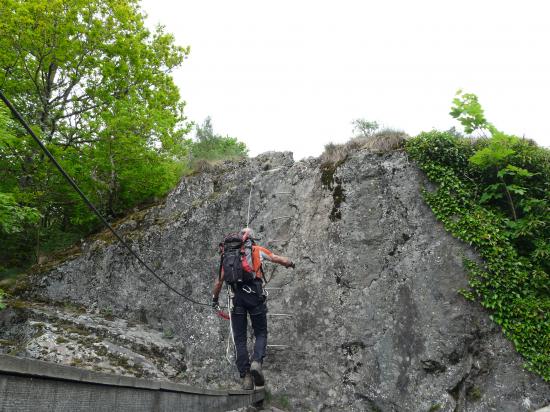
(280, 314)
(283, 193)
(279, 241)
(282, 217)
(278, 346)
(273, 288)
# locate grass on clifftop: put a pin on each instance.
(374, 140)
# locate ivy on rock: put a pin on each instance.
(493, 192)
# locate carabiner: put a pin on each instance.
(247, 289)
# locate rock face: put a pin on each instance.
(70, 335)
(376, 321)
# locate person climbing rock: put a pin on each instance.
(241, 268)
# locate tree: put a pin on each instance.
(468, 111)
(95, 84)
(71, 65)
(515, 179)
(14, 216)
(364, 128)
(212, 146)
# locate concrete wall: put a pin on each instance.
(31, 385)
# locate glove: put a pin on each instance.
(291, 265)
(215, 304)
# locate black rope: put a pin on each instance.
(87, 201)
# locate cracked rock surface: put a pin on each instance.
(72, 336)
(376, 321)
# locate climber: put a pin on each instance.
(241, 268)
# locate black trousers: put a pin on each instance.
(252, 304)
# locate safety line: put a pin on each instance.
(87, 201)
(227, 355)
(249, 199)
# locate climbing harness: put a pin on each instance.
(18, 116)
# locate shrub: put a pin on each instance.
(210, 148)
(493, 193)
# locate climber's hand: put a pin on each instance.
(291, 265)
(215, 304)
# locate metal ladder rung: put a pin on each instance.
(280, 314)
(278, 346)
(283, 193)
(282, 217)
(278, 241)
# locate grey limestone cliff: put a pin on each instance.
(376, 321)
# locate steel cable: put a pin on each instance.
(18, 116)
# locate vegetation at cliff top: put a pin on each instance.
(95, 84)
(367, 136)
(493, 192)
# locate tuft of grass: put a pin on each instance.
(107, 313)
(210, 165)
(199, 166)
(335, 153)
(60, 340)
(386, 140)
(168, 333)
(77, 330)
(283, 402)
(474, 393)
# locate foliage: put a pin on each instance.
(95, 85)
(494, 194)
(210, 146)
(468, 111)
(364, 128)
(367, 137)
(13, 217)
(2, 296)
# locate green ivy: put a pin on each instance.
(2, 296)
(513, 281)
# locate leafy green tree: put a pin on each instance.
(468, 111)
(210, 146)
(95, 85)
(13, 216)
(515, 176)
(71, 66)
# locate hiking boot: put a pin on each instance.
(256, 371)
(248, 385)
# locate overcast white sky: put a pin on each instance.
(292, 75)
